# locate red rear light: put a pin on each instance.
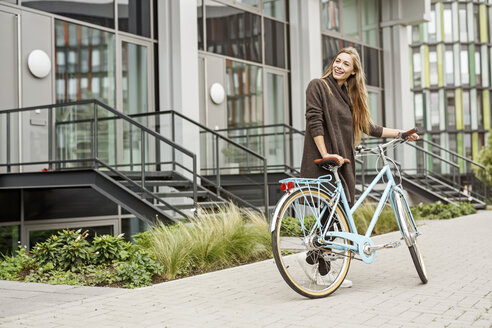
(290, 185)
(283, 187)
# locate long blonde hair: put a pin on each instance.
(357, 93)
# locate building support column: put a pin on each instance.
(178, 69)
(305, 53)
(398, 100)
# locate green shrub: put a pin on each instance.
(68, 258)
(12, 266)
(139, 270)
(440, 211)
(107, 248)
(67, 250)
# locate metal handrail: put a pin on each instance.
(287, 166)
(218, 136)
(470, 161)
(52, 140)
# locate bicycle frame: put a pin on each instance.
(360, 242)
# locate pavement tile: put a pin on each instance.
(387, 293)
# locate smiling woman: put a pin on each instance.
(337, 113)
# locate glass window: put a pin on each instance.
(448, 23)
(478, 70)
(452, 142)
(479, 109)
(415, 33)
(467, 138)
(371, 66)
(417, 69)
(274, 8)
(370, 20)
(199, 14)
(83, 63)
(466, 109)
(476, 23)
(431, 26)
(465, 75)
(350, 21)
(233, 32)
(274, 43)
(372, 101)
(330, 10)
(134, 17)
(449, 65)
(244, 94)
(418, 101)
(66, 203)
(433, 66)
(99, 12)
(132, 226)
(451, 112)
(9, 240)
(135, 98)
(436, 162)
(463, 24)
(253, 3)
(10, 205)
(434, 104)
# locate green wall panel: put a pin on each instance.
(440, 68)
(471, 65)
(458, 95)
(475, 149)
(483, 24)
(426, 65)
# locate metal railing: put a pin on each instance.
(460, 175)
(281, 144)
(471, 175)
(90, 134)
(219, 155)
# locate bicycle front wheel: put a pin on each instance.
(410, 235)
(311, 269)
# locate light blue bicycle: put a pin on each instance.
(314, 237)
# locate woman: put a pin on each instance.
(336, 116)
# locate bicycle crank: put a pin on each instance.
(369, 249)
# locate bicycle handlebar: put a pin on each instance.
(402, 138)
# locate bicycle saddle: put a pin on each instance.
(329, 162)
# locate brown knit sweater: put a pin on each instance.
(331, 116)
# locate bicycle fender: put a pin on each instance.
(279, 205)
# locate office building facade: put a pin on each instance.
(226, 64)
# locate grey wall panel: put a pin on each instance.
(36, 33)
(9, 85)
(216, 113)
(8, 61)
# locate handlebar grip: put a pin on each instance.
(406, 134)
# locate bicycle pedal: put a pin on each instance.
(371, 249)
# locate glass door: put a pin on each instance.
(276, 114)
(134, 97)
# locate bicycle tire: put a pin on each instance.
(410, 235)
(291, 251)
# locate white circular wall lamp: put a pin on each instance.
(39, 63)
(217, 93)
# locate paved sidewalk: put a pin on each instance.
(387, 293)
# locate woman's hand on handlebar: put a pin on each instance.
(410, 135)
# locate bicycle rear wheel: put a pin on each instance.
(310, 269)
(410, 235)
